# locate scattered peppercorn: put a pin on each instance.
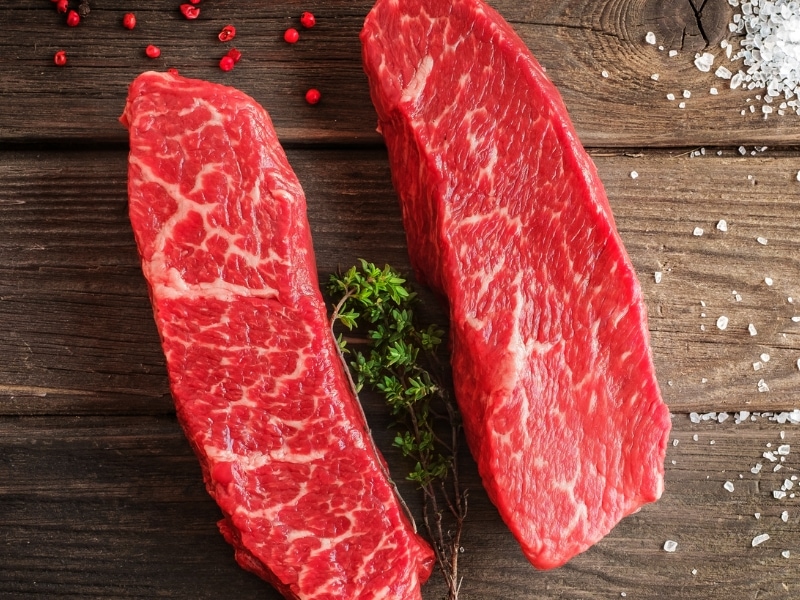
(152, 51)
(226, 63)
(313, 96)
(73, 18)
(291, 35)
(62, 6)
(129, 21)
(235, 55)
(189, 11)
(227, 34)
(84, 9)
(60, 58)
(308, 20)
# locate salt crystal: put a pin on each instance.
(671, 97)
(704, 62)
(784, 449)
(675, 442)
(760, 539)
(752, 329)
(682, 105)
(762, 240)
(694, 571)
(785, 516)
(654, 76)
(770, 456)
(796, 319)
(762, 386)
(757, 366)
(788, 484)
(728, 485)
(713, 91)
(736, 80)
(723, 73)
(687, 94)
(757, 515)
(723, 416)
(695, 437)
(765, 357)
(694, 418)
(670, 546)
(604, 74)
(742, 150)
(657, 276)
(673, 53)
(798, 364)
(722, 322)
(722, 225)
(786, 554)
(777, 467)
(778, 494)
(650, 38)
(698, 231)
(768, 280)
(798, 176)
(757, 469)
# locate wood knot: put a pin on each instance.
(689, 25)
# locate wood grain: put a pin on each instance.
(114, 507)
(576, 40)
(77, 325)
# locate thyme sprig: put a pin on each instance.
(401, 365)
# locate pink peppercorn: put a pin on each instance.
(129, 21)
(291, 35)
(73, 18)
(152, 51)
(308, 20)
(60, 58)
(313, 96)
(226, 63)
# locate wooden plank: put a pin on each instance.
(574, 39)
(77, 325)
(114, 507)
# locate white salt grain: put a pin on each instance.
(798, 364)
(722, 225)
(762, 240)
(682, 105)
(671, 97)
(778, 494)
(757, 469)
(654, 76)
(742, 150)
(786, 554)
(728, 485)
(796, 319)
(722, 322)
(694, 418)
(650, 38)
(675, 442)
(687, 94)
(657, 276)
(723, 73)
(798, 176)
(752, 329)
(785, 516)
(695, 437)
(762, 386)
(757, 516)
(673, 53)
(634, 175)
(784, 449)
(704, 62)
(604, 74)
(670, 546)
(768, 280)
(713, 91)
(760, 539)
(723, 416)
(698, 231)
(757, 366)
(770, 456)
(694, 571)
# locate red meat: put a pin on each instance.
(220, 222)
(506, 217)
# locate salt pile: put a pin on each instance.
(770, 49)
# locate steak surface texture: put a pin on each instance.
(220, 222)
(506, 217)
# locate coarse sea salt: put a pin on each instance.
(634, 175)
(760, 539)
(728, 485)
(698, 231)
(722, 322)
(657, 276)
(670, 546)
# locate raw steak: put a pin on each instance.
(506, 217)
(220, 222)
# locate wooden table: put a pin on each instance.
(100, 496)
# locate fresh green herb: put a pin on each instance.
(401, 365)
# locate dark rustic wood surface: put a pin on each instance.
(100, 496)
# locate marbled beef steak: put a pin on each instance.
(506, 217)
(220, 222)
